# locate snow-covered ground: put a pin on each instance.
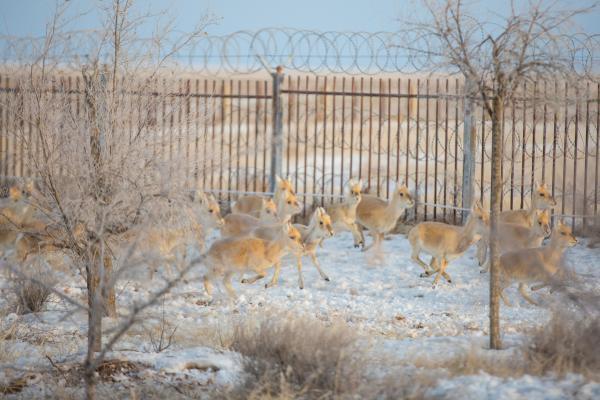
(386, 301)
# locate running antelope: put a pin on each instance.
(240, 254)
(379, 216)
(343, 216)
(537, 265)
(542, 200)
(319, 228)
(515, 237)
(168, 242)
(15, 212)
(236, 224)
(446, 242)
(253, 204)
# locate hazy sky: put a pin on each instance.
(28, 17)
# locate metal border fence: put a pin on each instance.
(323, 130)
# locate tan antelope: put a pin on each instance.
(42, 238)
(343, 216)
(379, 216)
(541, 200)
(446, 242)
(16, 211)
(319, 228)
(168, 241)
(536, 265)
(515, 237)
(253, 204)
(240, 254)
(236, 224)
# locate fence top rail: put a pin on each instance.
(218, 94)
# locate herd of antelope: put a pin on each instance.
(258, 233)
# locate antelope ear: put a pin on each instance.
(278, 179)
(536, 184)
(201, 197)
(401, 183)
(289, 178)
(320, 211)
(477, 205)
(360, 183)
(30, 185)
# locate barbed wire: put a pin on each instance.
(295, 49)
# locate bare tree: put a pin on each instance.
(99, 175)
(496, 57)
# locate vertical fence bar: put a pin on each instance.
(265, 130)
(289, 128)
(483, 140)
(389, 136)
(256, 122)
(577, 104)
(566, 138)
(585, 160)
(544, 131)
(305, 146)
(426, 179)
(417, 126)
(456, 103)
(379, 122)
(523, 146)
(446, 101)
(512, 153)
(533, 132)
(343, 137)
(370, 136)
(408, 98)
(213, 111)
(197, 135)
(469, 149)
(247, 148)
(238, 154)
(188, 110)
(554, 137)
(333, 137)
(351, 172)
(316, 115)
(398, 130)
(435, 158)
(596, 177)
(297, 98)
(229, 117)
(324, 134)
(360, 133)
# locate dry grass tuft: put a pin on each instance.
(569, 342)
(32, 288)
(301, 357)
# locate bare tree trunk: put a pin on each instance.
(94, 302)
(108, 290)
(497, 104)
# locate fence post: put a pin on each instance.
(469, 147)
(277, 137)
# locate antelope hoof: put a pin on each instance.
(449, 280)
(425, 274)
(244, 280)
(356, 245)
(327, 279)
